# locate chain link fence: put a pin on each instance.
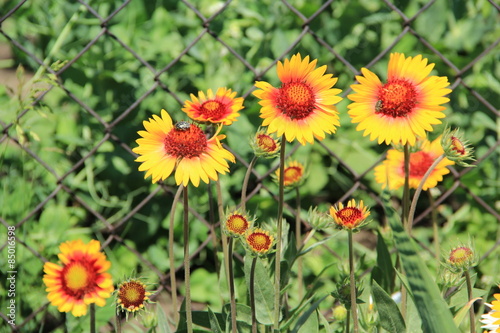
(114, 131)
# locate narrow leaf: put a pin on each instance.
(305, 316)
(459, 317)
(436, 317)
(214, 324)
(264, 291)
(390, 317)
(163, 325)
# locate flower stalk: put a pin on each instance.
(472, 316)
(277, 263)
(187, 268)
(92, 318)
(171, 257)
(352, 285)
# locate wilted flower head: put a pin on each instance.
(132, 295)
(294, 174)
(258, 241)
(457, 148)
(236, 223)
(351, 217)
(265, 145)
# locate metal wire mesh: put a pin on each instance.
(110, 129)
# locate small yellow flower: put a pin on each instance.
(350, 217)
(132, 295)
(81, 280)
(259, 241)
(294, 173)
(219, 108)
(236, 224)
(265, 145)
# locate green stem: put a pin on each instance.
(435, 228)
(245, 184)
(227, 250)
(92, 318)
(171, 256)
(252, 295)
(298, 240)
(352, 285)
(277, 263)
(348, 322)
(469, 295)
(231, 286)
(187, 269)
(406, 205)
(411, 215)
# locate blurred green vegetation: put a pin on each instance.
(109, 79)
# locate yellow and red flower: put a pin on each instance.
(259, 241)
(219, 108)
(236, 224)
(403, 108)
(491, 320)
(183, 147)
(265, 145)
(81, 280)
(351, 216)
(391, 171)
(303, 107)
(132, 295)
(294, 173)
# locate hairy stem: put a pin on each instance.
(469, 295)
(277, 263)
(187, 268)
(171, 256)
(245, 184)
(252, 295)
(352, 285)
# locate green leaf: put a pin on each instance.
(324, 322)
(459, 317)
(264, 291)
(163, 326)
(384, 272)
(304, 319)
(214, 323)
(436, 317)
(390, 317)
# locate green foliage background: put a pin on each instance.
(109, 80)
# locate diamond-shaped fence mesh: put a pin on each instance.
(94, 70)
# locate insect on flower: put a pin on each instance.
(182, 125)
(378, 106)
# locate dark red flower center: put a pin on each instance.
(419, 164)
(213, 110)
(296, 100)
(350, 216)
(79, 278)
(132, 295)
(188, 143)
(266, 143)
(397, 98)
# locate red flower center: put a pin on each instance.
(188, 143)
(266, 143)
(295, 100)
(350, 216)
(397, 98)
(132, 295)
(259, 241)
(237, 224)
(419, 164)
(79, 278)
(213, 110)
(292, 174)
(457, 145)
